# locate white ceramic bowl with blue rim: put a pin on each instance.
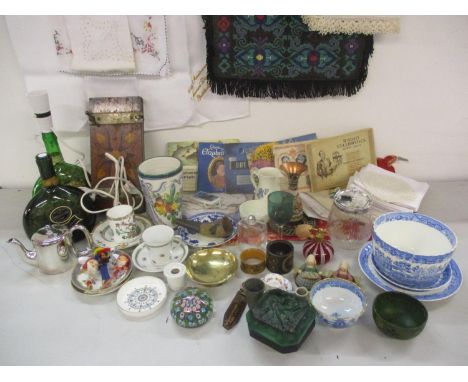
(339, 303)
(161, 183)
(411, 249)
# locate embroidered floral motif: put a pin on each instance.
(146, 43)
(59, 47)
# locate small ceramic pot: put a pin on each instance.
(175, 275)
(161, 183)
(280, 256)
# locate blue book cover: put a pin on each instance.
(211, 174)
(237, 167)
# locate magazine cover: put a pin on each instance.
(331, 161)
(211, 174)
(240, 157)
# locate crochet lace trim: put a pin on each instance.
(352, 24)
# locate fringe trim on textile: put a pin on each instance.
(282, 88)
(352, 24)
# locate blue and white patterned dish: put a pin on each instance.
(438, 285)
(339, 303)
(367, 267)
(141, 297)
(197, 240)
(412, 270)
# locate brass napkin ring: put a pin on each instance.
(253, 261)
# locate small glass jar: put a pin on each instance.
(251, 233)
(349, 222)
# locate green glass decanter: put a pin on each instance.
(67, 173)
(55, 203)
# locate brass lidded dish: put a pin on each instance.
(211, 266)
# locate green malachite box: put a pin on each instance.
(281, 320)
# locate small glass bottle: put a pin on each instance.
(55, 203)
(68, 174)
(349, 223)
(252, 233)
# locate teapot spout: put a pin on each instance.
(30, 255)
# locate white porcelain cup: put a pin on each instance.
(159, 239)
(175, 275)
(121, 220)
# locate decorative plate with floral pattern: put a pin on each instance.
(191, 308)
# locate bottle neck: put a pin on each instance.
(52, 147)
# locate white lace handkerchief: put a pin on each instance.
(100, 44)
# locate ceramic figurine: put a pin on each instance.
(319, 246)
(308, 274)
(343, 272)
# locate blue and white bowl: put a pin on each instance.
(339, 303)
(413, 250)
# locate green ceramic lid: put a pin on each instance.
(191, 308)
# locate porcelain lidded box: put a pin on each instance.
(411, 249)
(191, 308)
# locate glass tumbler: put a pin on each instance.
(252, 233)
(349, 222)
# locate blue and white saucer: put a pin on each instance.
(197, 240)
(368, 268)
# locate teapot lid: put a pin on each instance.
(47, 235)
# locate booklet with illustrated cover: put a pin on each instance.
(211, 174)
(331, 161)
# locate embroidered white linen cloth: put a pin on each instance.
(100, 44)
(149, 44)
(167, 101)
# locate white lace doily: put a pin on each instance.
(352, 24)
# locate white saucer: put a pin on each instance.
(143, 261)
(104, 237)
(367, 267)
(141, 297)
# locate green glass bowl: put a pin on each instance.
(399, 315)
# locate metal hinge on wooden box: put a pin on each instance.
(117, 127)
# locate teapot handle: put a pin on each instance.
(88, 237)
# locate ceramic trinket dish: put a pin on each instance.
(141, 297)
(412, 249)
(439, 293)
(339, 303)
(211, 266)
(103, 235)
(281, 320)
(102, 273)
(308, 274)
(276, 281)
(191, 308)
(197, 240)
(399, 315)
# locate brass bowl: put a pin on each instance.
(211, 266)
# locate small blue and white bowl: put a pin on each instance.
(339, 303)
(413, 250)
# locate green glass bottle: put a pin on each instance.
(68, 174)
(55, 203)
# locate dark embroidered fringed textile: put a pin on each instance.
(278, 56)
